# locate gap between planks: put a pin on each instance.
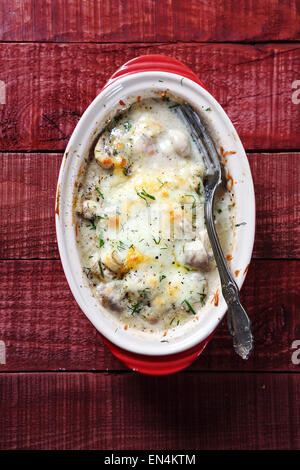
(61, 152)
(131, 372)
(158, 43)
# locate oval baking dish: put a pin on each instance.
(144, 77)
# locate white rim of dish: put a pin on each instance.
(88, 126)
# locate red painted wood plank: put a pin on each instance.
(129, 411)
(149, 20)
(277, 193)
(48, 86)
(43, 329)
(27, 203)
(27, 198)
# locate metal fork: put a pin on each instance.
(237, 318)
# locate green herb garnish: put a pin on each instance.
(127, 126)
(198, 190)
(88, 272)
(162, 277)
(136, 308)
(157, 242)
(194, 203)
(121, 246)
(101, 242)
(202, 296)
(99, 192)
(162, 183)
(143, 294)
(143, 297)
(93, 226)
(101, 269)
(143, 194)
(190, 308)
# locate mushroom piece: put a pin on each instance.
(195, 255)
(112, 260)
(141, 145)
(90, 209)
(147, 127)
(180, 142)
(111, 296)
(102, 154)
(144, 136)
(175, 140)
(99, 270)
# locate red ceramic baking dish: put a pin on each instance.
(139, 78)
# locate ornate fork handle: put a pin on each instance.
(237, 318)
(238, 321)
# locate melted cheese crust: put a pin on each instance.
(141, 232)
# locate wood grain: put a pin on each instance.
(149, 20)
(277, 194)
(48, 86)
(44, 329)
(129, 411)
(27, 199)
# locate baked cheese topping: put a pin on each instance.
(140, 220)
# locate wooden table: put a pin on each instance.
(60, 387)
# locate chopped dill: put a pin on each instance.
(101, 269)
(99, 192)
(93, 226)
(136, 308)
(121, 246)
(156, 242)
(143, 194)
(202, 296)
(194, 202)
(162, 183)
(127, 126)
(190, 308)
(88, 272)
(199, 189)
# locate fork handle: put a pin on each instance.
(238, 321)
